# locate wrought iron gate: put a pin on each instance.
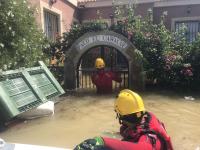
(114, 60)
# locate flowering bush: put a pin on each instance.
(166, 55)
(193, 58)
(187, 71)
(21, 42)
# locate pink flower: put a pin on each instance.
(187, 72)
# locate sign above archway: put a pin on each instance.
(108, 39)
(104, 38)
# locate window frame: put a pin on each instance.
(58, 23)
(185, 20)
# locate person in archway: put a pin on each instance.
(103, 79)
(140, 129)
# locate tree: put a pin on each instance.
(21, 42)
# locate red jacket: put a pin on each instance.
(150, 134)
(103, 80)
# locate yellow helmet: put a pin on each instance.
(99, 63)
(128, 102)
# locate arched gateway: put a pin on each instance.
(106, 38)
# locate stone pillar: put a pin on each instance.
(70, 75)
(136, 78)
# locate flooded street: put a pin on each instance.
(79, 117)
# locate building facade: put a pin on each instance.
(56, 16)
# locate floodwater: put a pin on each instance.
(83, 116)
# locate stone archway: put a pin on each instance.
(109, 38)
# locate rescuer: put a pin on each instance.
(103, 79)
(140, 129)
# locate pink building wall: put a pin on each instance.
(105, 12)
(71, 12)
(65, 9)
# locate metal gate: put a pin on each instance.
(114, 61)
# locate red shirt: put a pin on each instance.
(103, 81)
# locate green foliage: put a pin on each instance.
(21, 43)
(63, 43)
(194, 59)
(77, 30)
(168, 57)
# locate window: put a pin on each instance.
(192, 29)
(51, 25)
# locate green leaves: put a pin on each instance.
(163, 53)
(21, 42)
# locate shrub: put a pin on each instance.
(21, 42)
(168, 57)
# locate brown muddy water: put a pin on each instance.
(83, 116)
